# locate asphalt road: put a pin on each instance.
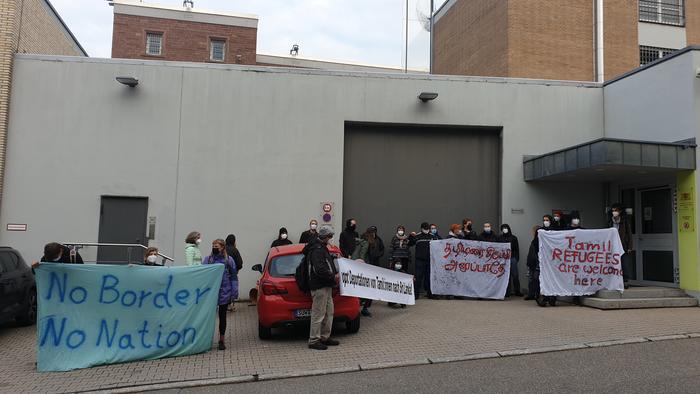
(656, 367)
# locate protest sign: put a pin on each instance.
(102, 314)
(469, 268)
(368, 281)
(580, 262)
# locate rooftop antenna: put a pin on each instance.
(295, 50)
(188, 4)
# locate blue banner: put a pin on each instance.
(104, 314)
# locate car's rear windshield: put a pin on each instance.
(284, 266)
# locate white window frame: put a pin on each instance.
(149, 51)
(211, 49)
(662, 9)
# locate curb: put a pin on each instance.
(391, 364)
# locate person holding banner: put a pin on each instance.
(488, 235)
(228, 292)
(151, 256)
(619, 221)
(422, 242)
(455, 231)
(507, 236)
(467, 231)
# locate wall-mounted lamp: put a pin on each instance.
(128, 81)
(427, 96)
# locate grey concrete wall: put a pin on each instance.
(246, 150)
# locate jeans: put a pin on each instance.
(321, 315)
(514, 277)
(422, 277)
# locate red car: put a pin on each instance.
(282, 304)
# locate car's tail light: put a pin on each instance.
(270, 288)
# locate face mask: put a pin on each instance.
(199, 241)
(424, 231)
(575, 222)
(556, 218)
(283, 236)
(505, 231)
(400, 233)
(546, 223)
(215, 252)
(616, 214)
(469, 226)
(460, 232)
(487, 230)
(397, 266)
(313, 226)
(152, 259)
(433, 231)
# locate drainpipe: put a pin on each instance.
(432, 27)
(599, 43)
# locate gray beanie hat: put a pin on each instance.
(325, 231)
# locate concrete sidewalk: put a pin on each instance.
(431, 331)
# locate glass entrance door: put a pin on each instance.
(656, 254)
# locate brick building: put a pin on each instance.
(558, 40)
(28, 26)
(147, 31)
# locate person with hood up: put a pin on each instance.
(309, 234)
(575, 221)
(349, 238)
(228, 291)
(540, 299)
(507, 236)
(282, 239)
(488, 235)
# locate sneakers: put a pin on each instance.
(330, 342)
(317, 346)
(222, 346)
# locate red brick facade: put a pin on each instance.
(182, 40)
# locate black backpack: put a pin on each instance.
(303, 271)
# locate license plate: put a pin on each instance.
(299, 313)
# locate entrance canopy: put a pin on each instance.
(609, 159)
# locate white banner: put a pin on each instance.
(580, 262)
(469, 268)
(362, 280)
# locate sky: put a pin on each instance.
(360, 31)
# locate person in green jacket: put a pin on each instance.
(360, 253)
(193, 256)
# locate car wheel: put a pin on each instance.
(264, 332)
(28, 316)
(353, 326)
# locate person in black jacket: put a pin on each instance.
(534, 256)
(488, 235)
(467, 231)
(282, 238)
(349, 238)
(575, 223)
(533, 267)
(422, 243)
(507, 236)
(322, 279)
(232, 251)
(375, 246)
(312, 232)
(57, 253)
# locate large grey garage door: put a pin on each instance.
(398, 174)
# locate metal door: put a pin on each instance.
(123, 220)
(657, 255)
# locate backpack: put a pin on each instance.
(303, 272)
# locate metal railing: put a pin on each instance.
(75, 246)
(665, 12)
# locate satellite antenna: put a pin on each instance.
(188, 4)
(295, 50)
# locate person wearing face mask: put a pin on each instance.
(467, 231)
(397, 264)
(455, 231)
(507, 236)
(400, 245)
(575, 221)
(151, 256)
(488, 235)
(309, 234)
(434, 231)
(349, 238)
(228, 292)
(422, 243)
(533, 267)
(543, 300)
(282, 239)
(193, 256)
(547, 222)
(57, 253)
(232, 250)
(619, 221)
(558, 221)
